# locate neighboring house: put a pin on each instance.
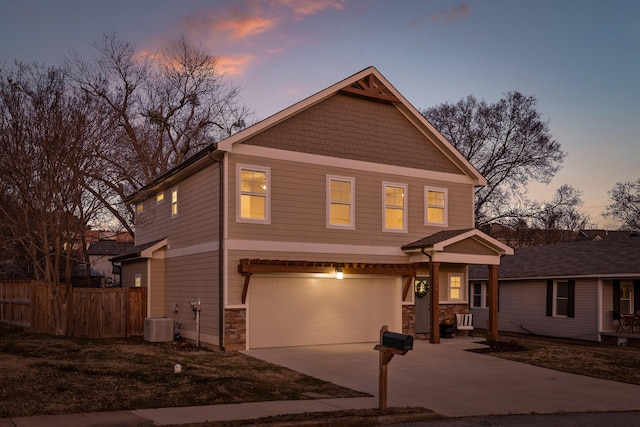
(100, 254)
(313, 226)
(566, 290)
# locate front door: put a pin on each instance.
(423, 312)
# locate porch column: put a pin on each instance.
(434, 273)
(493, 301)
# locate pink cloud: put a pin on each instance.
(232, 65)
(302, 8)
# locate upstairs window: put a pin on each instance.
(435, 206)
(340, 210)
(174, 202)
(160, 197)
(139, 208)
(253, 198)
(395, 207)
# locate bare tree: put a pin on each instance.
(560, 215)
(507, 142)
(162, 109)
(625, 204)
(47, 138)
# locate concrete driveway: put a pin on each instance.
(454, 382)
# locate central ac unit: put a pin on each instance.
(158, 329)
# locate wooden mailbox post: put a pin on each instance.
(386, 354)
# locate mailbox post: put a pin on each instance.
(391, 343)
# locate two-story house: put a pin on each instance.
(314, 226)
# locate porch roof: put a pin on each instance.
(140, 251)
(465, 246)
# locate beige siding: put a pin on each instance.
(469, 246)
(445, 270)
(188, 277)
(197, 219)
(129, 271)
(354, 128)
(298, 205)
(156, 291)
(523, 310)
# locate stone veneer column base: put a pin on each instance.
(235, 329)
(409, 319)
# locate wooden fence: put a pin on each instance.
(80, 312)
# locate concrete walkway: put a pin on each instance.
(443, 378)
(453, 382)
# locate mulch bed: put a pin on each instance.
(498, 347)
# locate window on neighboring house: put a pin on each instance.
(435, 206)
(160, 197)
(455, 287)
(340, 209)
(137, 281)
(625, 298)
(174, 202)
(480, 295)
(139, 208)
(395, 207)
(253, 198)
(561, 298)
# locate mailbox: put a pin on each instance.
(397, 341)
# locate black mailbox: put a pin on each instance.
(397, 341)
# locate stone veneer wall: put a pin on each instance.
(409, 319)
(235, 329)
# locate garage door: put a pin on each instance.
(310, 311)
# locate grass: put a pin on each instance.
(44, 374)
(592, 359)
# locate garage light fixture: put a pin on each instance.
(339, 274)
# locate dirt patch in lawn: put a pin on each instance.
(45, 374)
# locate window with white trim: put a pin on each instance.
(174, 202)
(395, 207)
(479, 295)
(561, 299)
(139, 208)
(137, 280)
(435, 206)
(253, 203)
(340, 202)
(160, 197)
(456, 292)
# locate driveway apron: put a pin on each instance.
(453, 382)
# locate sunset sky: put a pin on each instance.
(580, 59)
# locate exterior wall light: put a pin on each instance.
(339, 274)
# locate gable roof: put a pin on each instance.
(141, 251)
(370, 84)
(605, 258)
(438, 241)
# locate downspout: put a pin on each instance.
(220, 253)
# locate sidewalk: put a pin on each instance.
(199, 414)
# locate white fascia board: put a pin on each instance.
(148, 253)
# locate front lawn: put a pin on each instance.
(44, 374)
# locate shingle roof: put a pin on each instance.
(135, 251)
(431, 240)
(605, 258)
(108, 247)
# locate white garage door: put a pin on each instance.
(310, 311)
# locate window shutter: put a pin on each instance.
(549, 297)
(616, 296)
(636, 296)
(571, 303)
